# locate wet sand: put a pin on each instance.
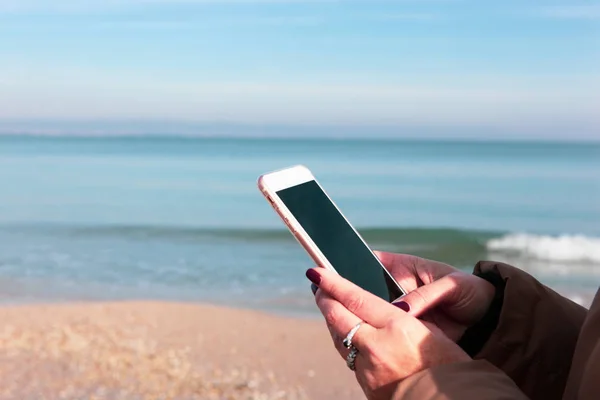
(159, 350)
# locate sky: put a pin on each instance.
(447, 68)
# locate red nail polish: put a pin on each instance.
(403, 306)
(313, 276)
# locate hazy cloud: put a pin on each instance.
(97, 5)
(582, 11)
(76, 94)
(395, 16)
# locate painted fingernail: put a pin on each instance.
(314, 288)
(403, 306)
(313, 276)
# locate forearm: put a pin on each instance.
(467, 380)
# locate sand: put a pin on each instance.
(158, 350)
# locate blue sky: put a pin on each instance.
(491, 68)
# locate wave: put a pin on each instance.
(456, 246)
(459, 247)
(549, 248)
(378, 234)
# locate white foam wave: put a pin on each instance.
(556, 248)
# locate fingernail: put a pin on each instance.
(313, 276)
(314, 288)
(403, 306)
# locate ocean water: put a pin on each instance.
(181, 218)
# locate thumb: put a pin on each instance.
(429, 296)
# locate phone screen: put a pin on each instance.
(337, 240)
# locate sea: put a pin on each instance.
(181, 218)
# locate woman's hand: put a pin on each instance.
(392, 345)
(451, 299)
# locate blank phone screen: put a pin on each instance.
(337, 240)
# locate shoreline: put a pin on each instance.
(273, 306)
(145, 349)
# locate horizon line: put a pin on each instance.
(380, 138)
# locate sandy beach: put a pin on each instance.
(89, 222)
(158, 350)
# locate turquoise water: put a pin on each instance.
(181, 218)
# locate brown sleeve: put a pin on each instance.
(536, 334)
(461, 381)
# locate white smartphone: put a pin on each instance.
(324, 232)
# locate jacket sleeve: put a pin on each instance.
(467, 380)
(536, 333)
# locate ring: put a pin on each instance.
(351, 358)
(348, 340)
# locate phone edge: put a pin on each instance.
(299, 235)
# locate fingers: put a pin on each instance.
(430, 296)
(402, 267)
(313, 288)
(364, 305)
(340, 322)
(392, 260)
(412, 271)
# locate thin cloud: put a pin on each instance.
(587, 11)
(200, 23)
(274, 21)
(60, 93)
(78, 6)
(252, 21)
(416, 17)
(69, 6)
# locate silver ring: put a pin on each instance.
(348, 339)
(351, 358)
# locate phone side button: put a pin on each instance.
(287, 223)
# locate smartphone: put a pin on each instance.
(324, 232)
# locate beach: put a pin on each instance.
(163, 350)
(140, 260)
(152, 267)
